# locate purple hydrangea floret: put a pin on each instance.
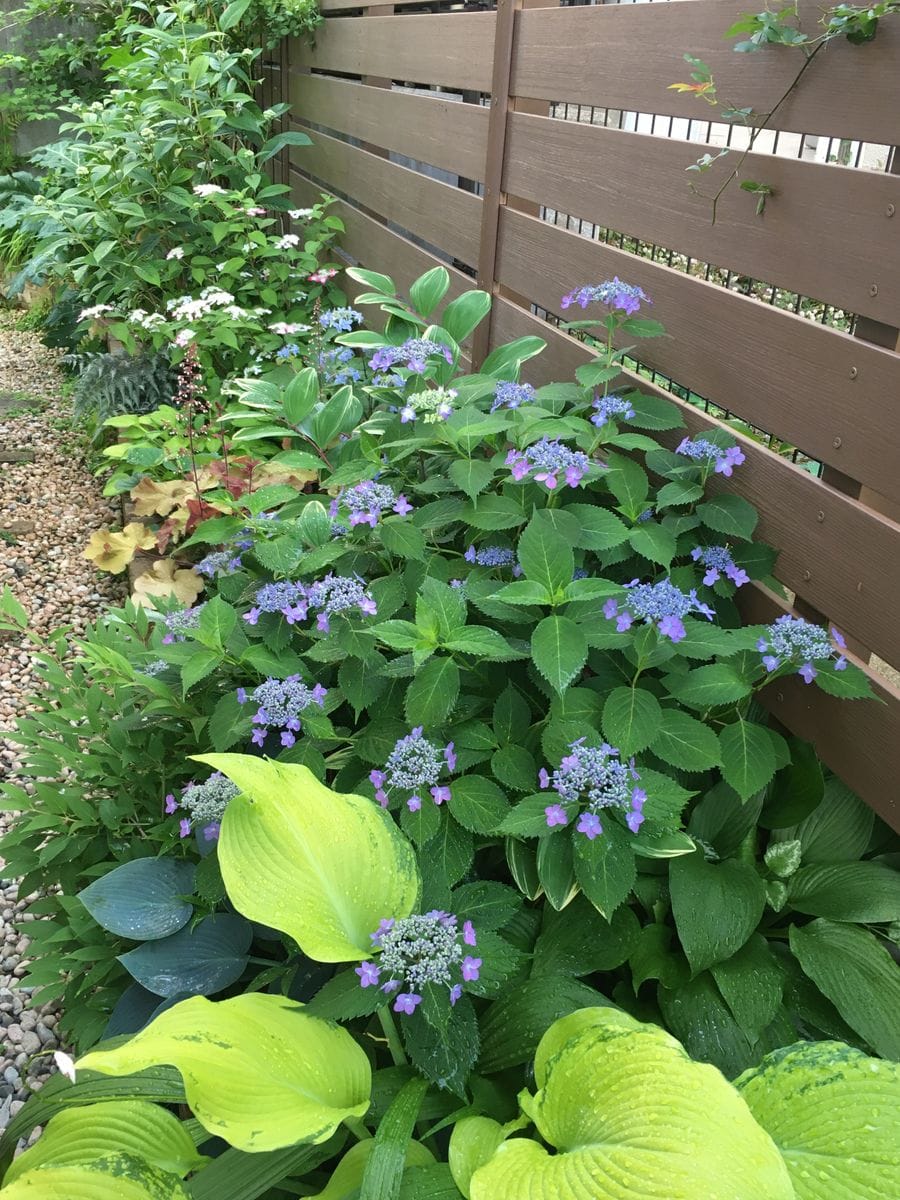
(413, 354)
(419, 951)
(512, 395)
(546, 461)
(588, 780)
(718, 562)
(611, 408)
(725, 458)
(205, 805)
(413, 765)
(367, 502)
(280, 703)
(218, 562)
(661, 604)
(613, 293)
(793, 642)
(180, 623)
(339, 594)
(493, 556)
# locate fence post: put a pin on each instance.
(494, 196)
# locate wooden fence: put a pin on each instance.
(494, 100)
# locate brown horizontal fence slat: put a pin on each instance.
(444, 216)
(373, 245)
(451, 49)
(443, 133)
(334, 6)
(625, 56)
(832, 395)
(835, 553)
(825, 232)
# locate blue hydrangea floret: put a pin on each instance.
(793, 642)
(512, 395)
(546, 461)
(414, 765)
(611, 408)
(413, 354)
(661, 604)
(588, 780)
(723, 459)
(418, 951)
(718, 562)
(615, 294)
(280, 703)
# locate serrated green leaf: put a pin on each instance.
(631, 719)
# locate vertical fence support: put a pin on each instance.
(494, 197)
(494, 161)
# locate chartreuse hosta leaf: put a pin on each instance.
(258, 1071)
(629, 1114)
(322, 867)
(134, 1128)
(834, 1114)
(116, 1177)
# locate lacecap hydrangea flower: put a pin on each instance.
(367, 502)
(493, 556)
(218, 562)
(791, 641)
(611, 408)
(414, 765)
(435, 404)
(280, 703)
(512, 395)
(205, 804)
(333, 365)
(546, 461)
(725, 458)
(341, 319)
(412, 354)
(418, 951)
(613, 293)
(661, 604)
(181, 622)
(718, 562)
(588, 780)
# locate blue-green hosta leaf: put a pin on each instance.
(835, 1116)
(143, 899)
(631, 1115)
(115, 1177)
(258, 1071)
(322, 867)
(200, 959)
(94, 1131)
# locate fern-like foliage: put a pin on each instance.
(111, 384)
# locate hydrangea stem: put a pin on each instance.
(398, 1054)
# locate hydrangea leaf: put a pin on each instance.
(323, 867)
(834, 1114)
(631, 1115)
(115, 1177)
(131, 1127)
(258, 1071)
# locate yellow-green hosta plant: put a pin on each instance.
(621, 1112)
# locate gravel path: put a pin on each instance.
(49, 507)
